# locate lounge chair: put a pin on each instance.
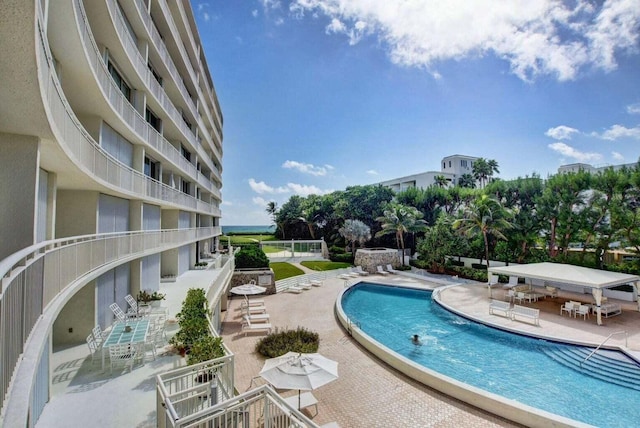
(361, 271)
(250, 310)
(247, 326)
(381, 271)
(316, 282)
(252, 302)
(294, 289)
(305, 285)
(390, 269)
(353, 274)
(258, 318)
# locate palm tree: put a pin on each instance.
(355, 231)
(492, 165)
(272, 210)
(440, 181)
(481, 171)
(486, 217)
(467, 181)
(400, 219)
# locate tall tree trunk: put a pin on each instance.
(552, 240)
(486, 247)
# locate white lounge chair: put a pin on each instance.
(361, 271)
(316, 282)
(294, 289)
(247, 326)
(382, 271)
(305, 285)
(251, 302)
(258, 318)
(250, 310)
(390, 269)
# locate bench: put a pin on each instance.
(610, 309)
(306, 400)
(527, 313)
(503, 308)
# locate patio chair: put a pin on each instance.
(520, 297)
(510, 295)
(361, 271)
(251, 302)
(390, 269)
(567, 307)
(513, 281)
(247, 326)
(93, 347)
(316, 282)
(294, 289)
(258, 318)
(250, 310)
(305, 285)
(381, 271)
(122, 355)
(582, 310)
(98, 335)
(120, 315)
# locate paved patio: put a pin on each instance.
(367, 394)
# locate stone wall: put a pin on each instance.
(262, 277)
(369, 258)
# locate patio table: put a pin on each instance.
(118, 335)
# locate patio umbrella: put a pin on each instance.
(248, 289)
(294, 370)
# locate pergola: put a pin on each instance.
(568, 274)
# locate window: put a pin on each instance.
(185, 187)
(463, 163)
(155, 73)
(120, 83)
(185, 153)
(444, 165)
(187, 122)
(151, 168)
(152, 119)
(449, 164)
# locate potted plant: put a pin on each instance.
(150, 298)
(204, 349)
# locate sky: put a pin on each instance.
(318, 95)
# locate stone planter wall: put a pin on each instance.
(262, 277)
(370, 258)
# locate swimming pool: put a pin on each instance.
(512, 366)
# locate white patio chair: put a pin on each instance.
(582, 310)
(381, 271)
(115, 308)
(390, 269)
(122, 355)
(567, 307)
(98, 335)
(93, 347)
(510, 296)
(520, 297)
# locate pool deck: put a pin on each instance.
(368, 393)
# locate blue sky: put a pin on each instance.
(318, 95)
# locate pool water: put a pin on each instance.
(506, 364)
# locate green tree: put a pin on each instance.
(440, 181)
(485, 217)
(439, 242)
(355, 231)
(272, 210)
(399, 219)
(467, 181)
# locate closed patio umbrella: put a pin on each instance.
(294, 370)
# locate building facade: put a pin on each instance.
(452, 168)
(111, 163)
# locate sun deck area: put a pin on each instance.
(367, 392)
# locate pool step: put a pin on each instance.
(610, 366)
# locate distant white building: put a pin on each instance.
(452, 168)
(576, 167)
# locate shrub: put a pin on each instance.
(420, 264)
(192, 320)
(251, 256)
(479, 266)
(204, 349)
(334, 249)
(281, 342)
(470, 273)
(344, 258)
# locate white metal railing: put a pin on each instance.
(32, 278)
(626, 336)
(260, 407)
(173, 71)
(185, 57)
(120, 103)
(88, 154)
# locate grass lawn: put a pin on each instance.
(246, 239)
(284, 270)
(267, 249)
(320, 265)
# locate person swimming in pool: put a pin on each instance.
(416, 340)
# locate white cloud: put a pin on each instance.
(372, 172)
(206, 17)
(304, 190)
(561, 132)
(258, 200)
(308, 168)
(617, 156)
(633, 108)
(270, 4)
(536, 37)
(573, 153)
(261, 187)
(226, 203)
(254, 13)
(619, 131)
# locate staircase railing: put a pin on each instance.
(626, 337)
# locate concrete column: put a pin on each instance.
(52, 197)
(135, 215)
(19, 170)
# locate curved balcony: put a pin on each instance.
(87, 155)
(185, 57)
(161, 48)
(37, 279)
(127, 111)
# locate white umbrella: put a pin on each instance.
(299, 371)
(247, 289)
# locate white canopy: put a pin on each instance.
(567, 274)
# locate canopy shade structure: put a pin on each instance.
(568, 274)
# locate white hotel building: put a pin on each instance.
(110, 171)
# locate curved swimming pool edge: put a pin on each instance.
(487, 401)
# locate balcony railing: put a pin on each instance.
(88, 154)
(33, 278)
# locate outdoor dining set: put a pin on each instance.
(134, 336)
